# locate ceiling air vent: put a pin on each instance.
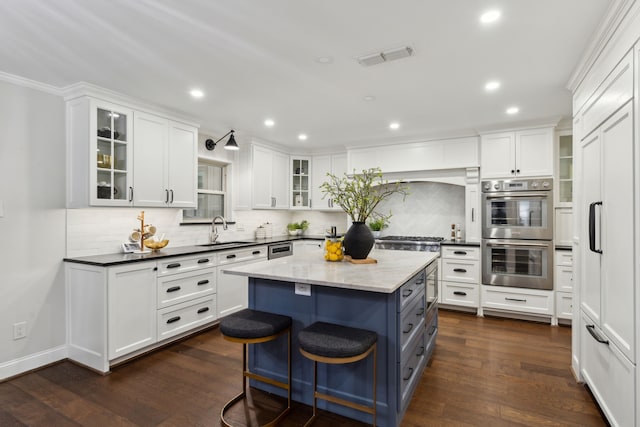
(386, 56)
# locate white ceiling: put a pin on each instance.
(256, 59)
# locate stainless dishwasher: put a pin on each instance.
(279, 250)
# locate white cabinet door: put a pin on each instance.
(183, 165)
(280, 180)
(262, 164)
(619, 261)
(534, 152)
(233, 292)
(497, 155)
(321, 165)
(472, 213)
(131, 308)
(590, 261)
(150, 186)
(563, 231)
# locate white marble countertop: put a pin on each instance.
(391, 271)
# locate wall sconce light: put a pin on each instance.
(231, 144)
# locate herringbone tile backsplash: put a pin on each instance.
(429, 210)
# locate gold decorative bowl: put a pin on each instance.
(155, 244)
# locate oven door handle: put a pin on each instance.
(592, 227)
(537, 245)
(508, 196)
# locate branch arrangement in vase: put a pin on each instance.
(359, 194)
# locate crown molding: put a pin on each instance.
(603, 34)
(31, 84)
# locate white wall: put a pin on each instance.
(32, 231)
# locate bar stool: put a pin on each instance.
(336, 344)
(253, 327)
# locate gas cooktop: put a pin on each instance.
(413, 238)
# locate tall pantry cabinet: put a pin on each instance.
(607, 210)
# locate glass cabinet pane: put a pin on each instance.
(112, 155)
(565, 169)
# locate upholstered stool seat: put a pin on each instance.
(336, 344)
(253, 327)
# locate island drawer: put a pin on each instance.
(181, 318)
(178, 288)
(431, 329)
(411, 289)
(410, 370)
(412, 321)
(184, 264)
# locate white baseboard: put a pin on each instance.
(33, 361)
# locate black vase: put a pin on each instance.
(358, 241)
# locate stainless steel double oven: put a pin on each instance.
(517, 233)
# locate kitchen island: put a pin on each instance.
(396, 298)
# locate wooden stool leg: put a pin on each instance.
(375, 363)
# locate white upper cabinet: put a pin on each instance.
(165, 162)
(270, 180)
(117, 156)
(336, 164)
(521, 153)
(300, 196)
(99, 153)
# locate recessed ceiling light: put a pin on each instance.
(369, 98)
(269, 123)
(394, 125)
(196, 93)
(324, 60)
(490, 16)
(492, 85)
(512, 110)
(302, 137)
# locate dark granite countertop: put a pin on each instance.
(108, 260)
(459, 243)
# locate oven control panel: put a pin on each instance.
(510, 185)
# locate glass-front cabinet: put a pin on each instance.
(565, 171)
(110, 132)
(300, 182)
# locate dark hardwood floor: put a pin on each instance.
(491, 372)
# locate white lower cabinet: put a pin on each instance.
(460, 276)
(232, 290)
(131, 307)
(117, 312)
(518, 300)
(609, 374)
(563, 284)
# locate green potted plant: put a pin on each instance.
(378, 224)
(359, 195)
(297, 228)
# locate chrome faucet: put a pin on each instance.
(214, 230)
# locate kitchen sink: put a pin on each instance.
(219, 244)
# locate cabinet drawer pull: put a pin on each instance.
(255, 253)
(460, 253)
(421, 352)
(410, 375)
(173, 319)
(408, 330)
(515, 299)
(166, 196)
(460, 293)
(171, 191)
(231, 256)
(433, 329)
(203, 261)
(203, 282)
(131, 194)
(595, 335)
(203, 310)
(174, 265)
(459, 270)
(407, 292)
(173, 289)
(421, 312)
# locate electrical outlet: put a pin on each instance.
(19, 330)
(303, 289)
